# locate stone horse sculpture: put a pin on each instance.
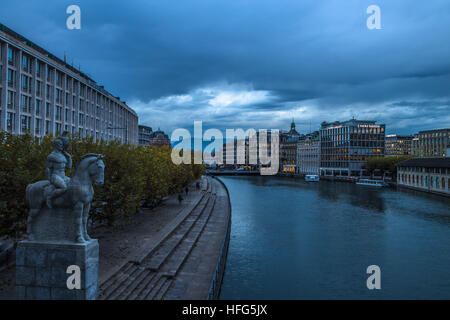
(65, 218)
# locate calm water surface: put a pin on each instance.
(296, 240)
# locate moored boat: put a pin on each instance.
(372, 183)
(312, 178)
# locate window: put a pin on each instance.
(58, 113)
(10, 121)
(11, 56)
(58, 128)
(10, 77)
(25, 103)
(58, 76)
(38, 127)
(38, 69)
(49, 74)
(47, 110)
(47, 127)
(59, 98)
(11, 96)
(38, 107)
(26, 63)
(49, 89)
(25, 124)
(38, 88)
(26, 83)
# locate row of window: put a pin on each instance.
(25, 126)
(351, 130)
(421, 181)
(70, 83)
(428, 170)
(26, 106)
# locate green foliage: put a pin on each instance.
(385, 164)
(132, 174)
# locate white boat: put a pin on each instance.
(312, 178)
(372, 183)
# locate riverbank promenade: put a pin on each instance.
(184, 260)
(175, 251)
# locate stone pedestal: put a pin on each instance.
(41, 270)
(56, 225)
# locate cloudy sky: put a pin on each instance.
(256, 63)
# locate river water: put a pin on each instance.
(296, 240)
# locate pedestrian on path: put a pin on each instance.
(186, 190)
(180, 198)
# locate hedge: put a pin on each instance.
(133, 175)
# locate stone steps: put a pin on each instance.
(151, 275)
(152, 288)
(179, 256)
(164, 289)
(156, 259)
(108, 287)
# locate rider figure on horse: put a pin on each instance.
(57, 162)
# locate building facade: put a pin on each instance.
(426, 174)
(431, 143)
(159, 138)
(144, 133)
(288, 150)
(308, 154)
(41, 94)
(397, 145)
(345, 146)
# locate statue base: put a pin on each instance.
(42, 270)
(56, 225)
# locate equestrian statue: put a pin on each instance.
(59, 206)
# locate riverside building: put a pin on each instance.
(397, 145)
(41, 94)
(288, 150)
(426, 174)
(159, 138)
(308, 154)
(345, 146)
(431, 143)
(144, 135)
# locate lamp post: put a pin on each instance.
(119, 128)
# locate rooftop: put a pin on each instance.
(435, 130)
(426, 163)
(60, 62)
(351, 122)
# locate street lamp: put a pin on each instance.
(118, 128)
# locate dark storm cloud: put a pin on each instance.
(256, 62)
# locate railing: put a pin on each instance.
(214, 290)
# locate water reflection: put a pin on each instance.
(296, 240)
